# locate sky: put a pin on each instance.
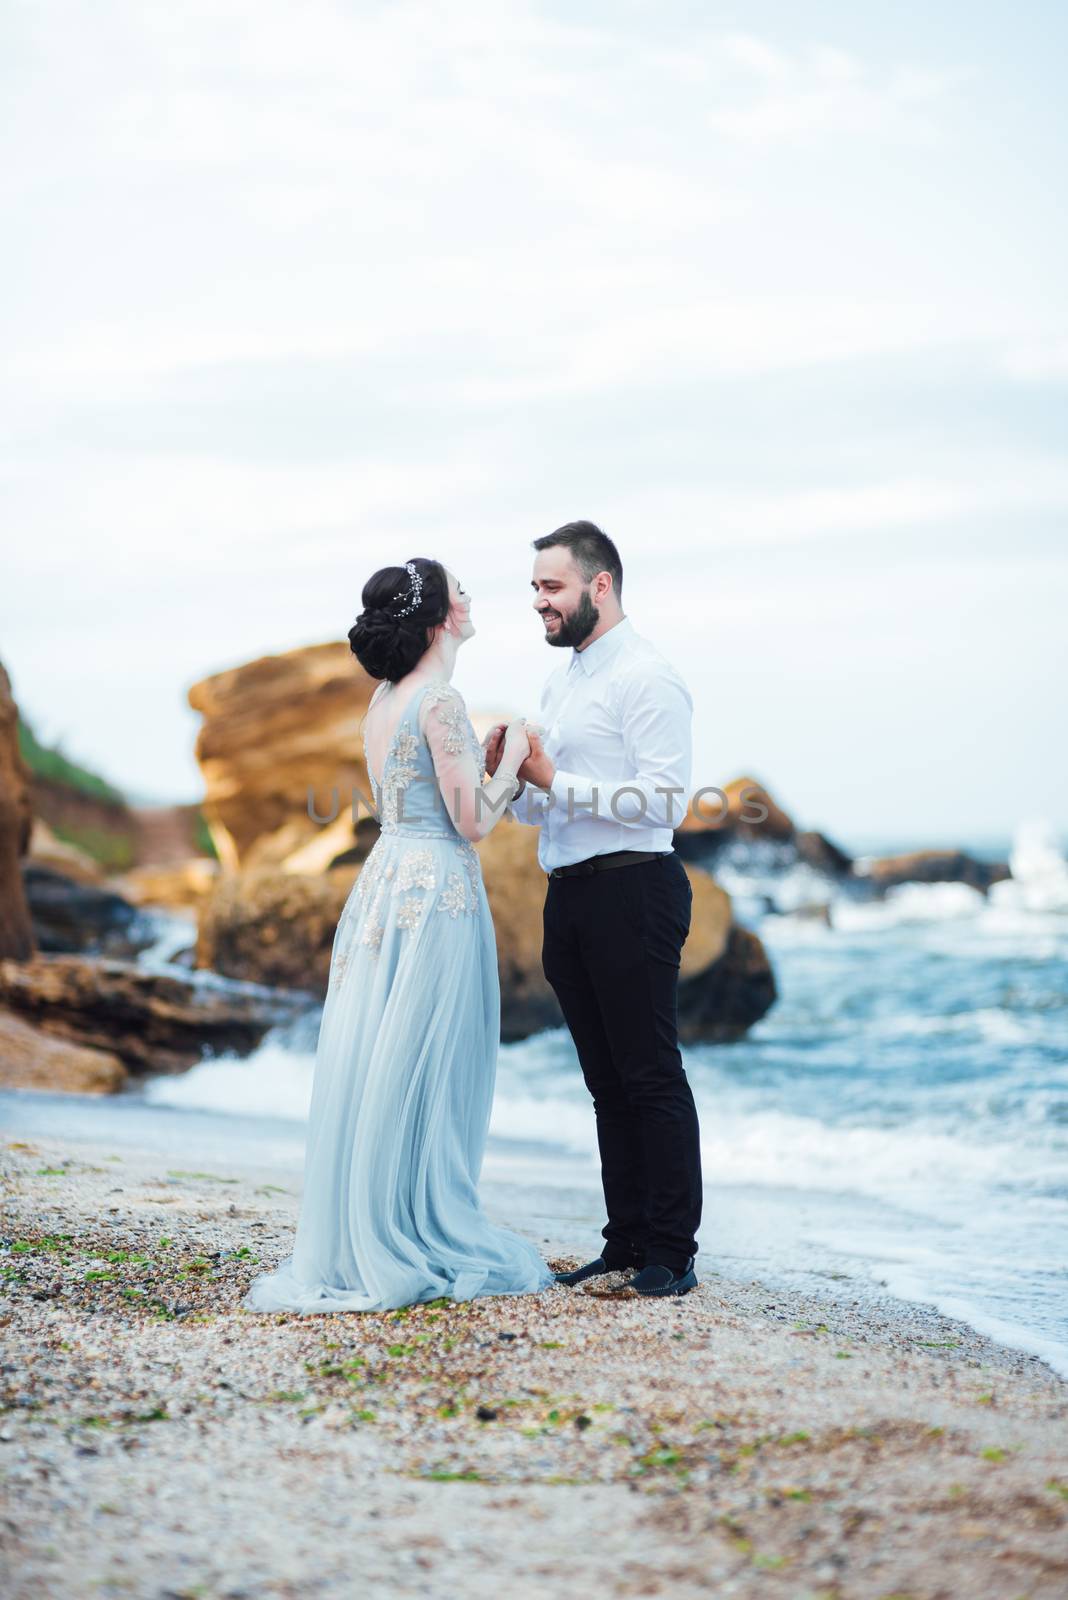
(774, 293)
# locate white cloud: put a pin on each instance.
(825, 91)
(1038, 360)
(239, 181)
(690, 520)
(298, 287)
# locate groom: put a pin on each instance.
(606, 788)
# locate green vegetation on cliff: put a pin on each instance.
(58, 768)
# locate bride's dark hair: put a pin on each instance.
(387, 645)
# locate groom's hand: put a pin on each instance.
(538, 768)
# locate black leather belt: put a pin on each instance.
(612, 858)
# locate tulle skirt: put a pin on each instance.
(404, 1075)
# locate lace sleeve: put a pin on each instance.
(459, 764)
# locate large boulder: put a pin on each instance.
(725, 1000)
(822, 854)
(934, 866)
(16, 823)
(154, 1022)
(271, 926)
(515, 888)
(30, 1058)
(282, 737)
(746, 810)
(721, 990)
(70, 915)
(743, 823)
(283, 726)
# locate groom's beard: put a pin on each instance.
(576, 628)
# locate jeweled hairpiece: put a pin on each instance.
(415, 595)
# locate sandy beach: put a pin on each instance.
(159, 1440)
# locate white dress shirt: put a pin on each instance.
(618, 723)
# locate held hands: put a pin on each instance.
(508, 743)
(516, 744)
(523, 740)
(538, 767)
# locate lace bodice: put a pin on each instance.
(432, 766)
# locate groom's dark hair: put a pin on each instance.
(592, 549)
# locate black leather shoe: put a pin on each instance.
(663, 1280)
(593, 1269)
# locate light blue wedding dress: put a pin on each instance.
(405, 1067)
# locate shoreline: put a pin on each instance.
(774, 1238)
(743, 1436)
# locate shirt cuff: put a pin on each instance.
(572, 787)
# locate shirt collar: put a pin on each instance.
(595, 655)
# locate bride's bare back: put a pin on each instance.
(458, 762)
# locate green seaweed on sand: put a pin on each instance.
(194, 1266)
(214, 1177)
(449, 1477)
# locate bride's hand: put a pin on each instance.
(516, 743)
(492, 746)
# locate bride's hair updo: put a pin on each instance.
(386, 644)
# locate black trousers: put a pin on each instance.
(611, 950)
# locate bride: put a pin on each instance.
(407, 1048)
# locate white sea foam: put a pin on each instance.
(907, 1285)
(274, 1082)
(1039, 871)
(913, 1061)
(909, 904)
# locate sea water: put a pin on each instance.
(900, 1116)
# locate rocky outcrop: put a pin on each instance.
(30, 1058)
(278, 732)
(720, 988)
(934, 866)
(183, 886)
(725, 1000)
(47, 849)
(748, 823)
(747, 810)
(16, 821)
(70, 916)
(822, 854)
(95, 820)
(154, 1022)
(287, 725)
(273, 927)
(515, 888)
